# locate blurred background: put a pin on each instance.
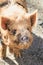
(37, 4)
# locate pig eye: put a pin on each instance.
(14, 32)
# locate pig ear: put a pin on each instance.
(32, 17)
(4, 22)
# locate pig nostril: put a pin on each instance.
(24, 38)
